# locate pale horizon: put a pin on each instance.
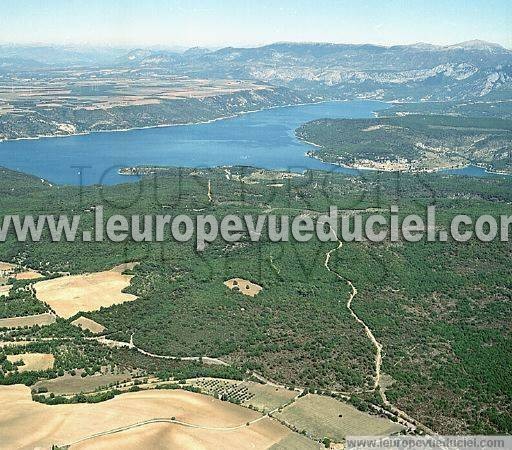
(184, 47)
(213, 24)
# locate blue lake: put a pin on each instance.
(263, 139)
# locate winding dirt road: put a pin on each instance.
(378, 348)
(353, 293)
(166, 420)
(120, 344)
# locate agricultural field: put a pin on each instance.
(27, 321)
(69, 295)
(260, 435)
(262, 397)
(6, 268)
(74, 101)
(66, 424)
(87, 324)
(327, 417)
(75, 384)
(267, 397)
(258, 343)
(27, 275)
(296, 442)
(32, 362)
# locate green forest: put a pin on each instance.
(424, 141)
(441, 310)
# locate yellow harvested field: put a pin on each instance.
(33, 361)
(4, 290)
(28, 275)
(87, 324)
(6, 268)
(71, 294)
(258, 436)
(27, 321)
(66, 424)
(327, 417)
(243, 286)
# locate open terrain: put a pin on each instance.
(27, 321)
(267, 397)
(88, 324)
(77, 101)
(50, 92)
(243, 286)
(69, 295)
(262, 397)
(6, 268)
(75, 384)
(330, 338)
(4, 290)
(9, 270)
(328, 417)
(33, 361)
(27, 275)
(200, 421)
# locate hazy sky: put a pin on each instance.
(242, 22)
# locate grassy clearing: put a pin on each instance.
(27, 321)
(327, 417)
(68, 384)
(4, 290)
(243, 286)
(87, 324)
(267, 398)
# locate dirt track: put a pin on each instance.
(378, 346)
(353, 293)
(187, 421)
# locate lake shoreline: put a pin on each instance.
(314, 155)
(199, 122)
(265, 138)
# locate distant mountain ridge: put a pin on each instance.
(400, 72)
(417, 72)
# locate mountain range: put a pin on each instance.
(421, 71)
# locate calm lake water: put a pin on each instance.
(262, 139)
